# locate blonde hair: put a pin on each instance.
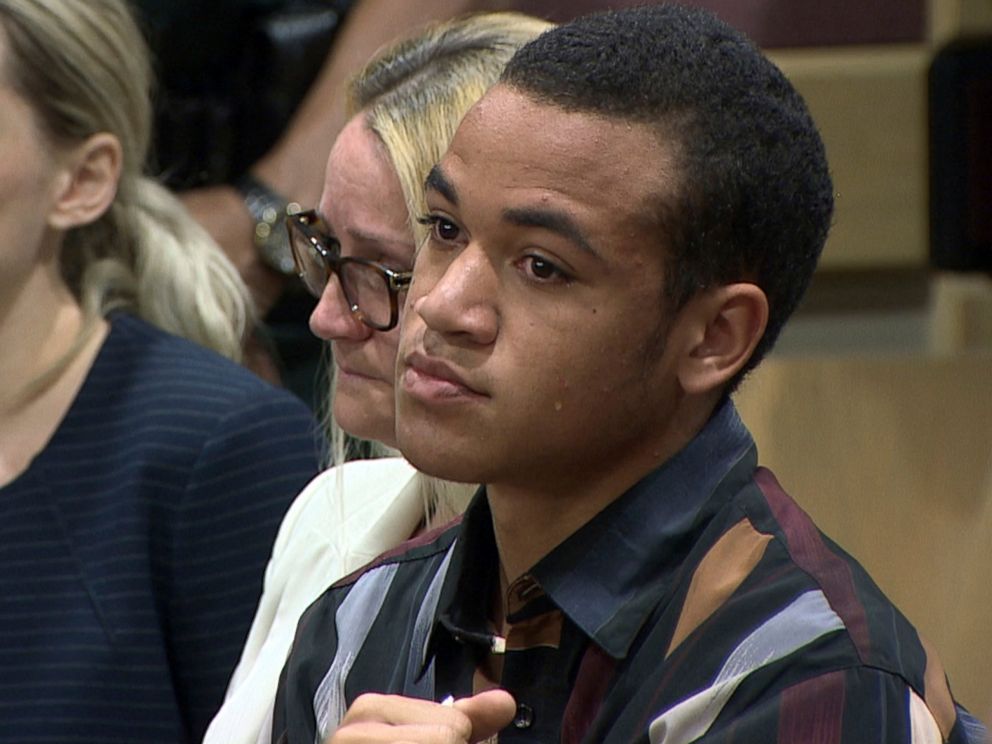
(83, 68)
(413, 96)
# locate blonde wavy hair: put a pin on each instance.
(412, 96)
(83, 67)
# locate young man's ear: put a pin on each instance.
(87, 182)
(725, 324)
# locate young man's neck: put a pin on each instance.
(531, 519)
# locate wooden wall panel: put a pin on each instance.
(870, 104)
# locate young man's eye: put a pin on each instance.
(543, 270)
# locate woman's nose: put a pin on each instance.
(332, 319)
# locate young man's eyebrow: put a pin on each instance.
(552, 220)
(437, 181)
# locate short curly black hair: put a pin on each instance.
(756, 199)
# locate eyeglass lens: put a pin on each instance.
(367, 290)
(309, 264)
(365, 287)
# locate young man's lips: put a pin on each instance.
(428, 378)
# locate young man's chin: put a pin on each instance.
(435, 448)
(448, 465)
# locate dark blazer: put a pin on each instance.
(132, 549)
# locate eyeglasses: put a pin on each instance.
(371, 289)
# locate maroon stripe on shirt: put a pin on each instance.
(591, 684)
(812, 555)
(813, 711)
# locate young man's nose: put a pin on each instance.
(463, 299)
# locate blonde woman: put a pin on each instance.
(355, 253)
(142, 476)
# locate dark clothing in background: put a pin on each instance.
(230, 75)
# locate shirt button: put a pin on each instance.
(524, 718)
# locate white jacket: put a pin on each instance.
(344, 518)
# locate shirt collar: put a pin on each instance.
(611, 573)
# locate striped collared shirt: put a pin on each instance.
(701, 605)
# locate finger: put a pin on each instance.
(384, 733)
(488, 712)
(397, 710)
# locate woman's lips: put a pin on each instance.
(347, 372)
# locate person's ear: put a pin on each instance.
(724, 324)
(87, 182)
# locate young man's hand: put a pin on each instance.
(386, 719)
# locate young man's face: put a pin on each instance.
(533, 349)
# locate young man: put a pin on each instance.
(618, 232)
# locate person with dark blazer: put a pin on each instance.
(143, 475)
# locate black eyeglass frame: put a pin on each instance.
(396, 281)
